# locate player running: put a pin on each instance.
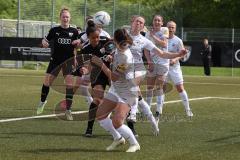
(175, 44)
(139, 44)
(64, 39)
(98, 79)
(121, 95)
(157, 67)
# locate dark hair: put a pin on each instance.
(121, 36)
(88, 18)
(79, 28)
(91, 27)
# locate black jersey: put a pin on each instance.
(99, 52)
(62, 39)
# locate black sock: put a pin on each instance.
(91, 115)
(44, 93)
(69, 97)
(130, 125)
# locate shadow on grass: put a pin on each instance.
(66, 150)
(224, 138)
(81, 135)
(5, 137)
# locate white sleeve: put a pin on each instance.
(149, 45)
(180, 45)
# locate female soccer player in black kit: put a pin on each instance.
(98, 79)
(64, 40)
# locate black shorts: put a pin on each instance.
(77, 72)
(100, 79)
(54, 67)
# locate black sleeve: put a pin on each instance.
(75, 36)
(50, 35)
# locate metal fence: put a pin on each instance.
(35, 18)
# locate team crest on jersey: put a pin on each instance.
(122, 68)
(70, 34)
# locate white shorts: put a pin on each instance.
(127, 98)
(158, 70)
(175, 75)
(140, 70)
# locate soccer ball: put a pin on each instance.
(102, 18)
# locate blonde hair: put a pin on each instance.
(172, 22)
(64, 9)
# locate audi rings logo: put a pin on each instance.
(237, 55)
(64, 41)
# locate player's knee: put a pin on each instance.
(47, 81)
(180, 88)
(117, 121)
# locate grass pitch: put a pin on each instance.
(213, 133)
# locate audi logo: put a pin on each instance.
(64, 41)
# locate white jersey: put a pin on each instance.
(103, 33)
(175, 44)
(162, 34)
(124, 61)
(124, 89)
(139, 44)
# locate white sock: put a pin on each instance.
(147, 111)
(85, 92)
(149, 97)
(144, 107)
(185, 99)
(108, 126)
(126, 132)
(160, 102)
(134, 108)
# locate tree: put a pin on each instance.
(8, 9)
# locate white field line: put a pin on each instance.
(201, 98)
(39, 117)
(208, 83)
(79, 112)
(21, 75)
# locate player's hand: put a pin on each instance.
(97, 61)
(183, 52)
(150, 67)
(173, 61)
(76, 43)
(45, 44)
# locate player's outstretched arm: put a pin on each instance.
(169, 55)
